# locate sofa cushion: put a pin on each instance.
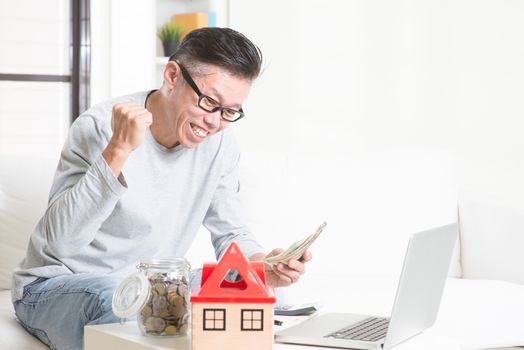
(482, 314)
(24, 188)
(14, 335)
(492, 229)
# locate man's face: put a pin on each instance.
(190, 123)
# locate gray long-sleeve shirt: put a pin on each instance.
(98, 223)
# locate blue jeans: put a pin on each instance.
(55, 310)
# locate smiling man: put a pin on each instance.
(137, 177)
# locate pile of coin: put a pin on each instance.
(167, 309)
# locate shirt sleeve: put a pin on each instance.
(225, 218)
(84, 192)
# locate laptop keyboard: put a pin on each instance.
(370, 329)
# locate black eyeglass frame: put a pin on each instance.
(201, 96)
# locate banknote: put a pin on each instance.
(295, 250)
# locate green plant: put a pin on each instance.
(169, 32)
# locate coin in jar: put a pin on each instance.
(171, 297)
(160, 288)
(176, 300)
(146, 311)
(160, 302)
(154, 324)
(183, 328)
(159, 306)
(170, 330)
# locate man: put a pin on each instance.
(137, 177)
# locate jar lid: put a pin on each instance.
(164, 263)
(131, 295)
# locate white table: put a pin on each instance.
(474, 314)
(127, 336)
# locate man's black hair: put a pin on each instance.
(222, 47)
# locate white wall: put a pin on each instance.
(100, 50)
(132, 46)
(123, 47)
(381, 75)
(384, 75)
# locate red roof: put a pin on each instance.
(252, 287)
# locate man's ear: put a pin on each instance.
(171, 74)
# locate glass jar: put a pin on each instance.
(159, 295)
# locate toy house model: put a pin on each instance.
(233, 315)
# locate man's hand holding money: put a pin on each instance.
(284, 266)
(282, 274)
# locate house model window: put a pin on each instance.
(252, 320)
(214, 319)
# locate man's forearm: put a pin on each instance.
(115, 157)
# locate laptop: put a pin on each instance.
(415, 309)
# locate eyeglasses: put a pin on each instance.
(207, 103)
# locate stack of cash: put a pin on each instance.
(296, 250)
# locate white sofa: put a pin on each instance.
(24, 187)
(372, 202)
